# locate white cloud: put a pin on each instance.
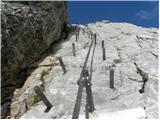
(147, 15)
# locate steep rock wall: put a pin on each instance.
(132, 51)
(28, 30)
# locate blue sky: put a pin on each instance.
(141, 13)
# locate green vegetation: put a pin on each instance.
(36, 99)
(44, 72)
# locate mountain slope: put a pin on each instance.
(132, 50)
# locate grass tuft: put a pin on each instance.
(36, 99)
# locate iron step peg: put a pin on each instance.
(76, 37)
(91, 36)
(73, 49)
(62, 64)
(112, 78)
(103, 53)
(102, 43)
(95, 37)
(78, 33)
(39, 92)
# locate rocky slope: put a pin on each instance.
(132, 50)
(28, 30)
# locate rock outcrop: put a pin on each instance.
(132, 52)
(28, 30)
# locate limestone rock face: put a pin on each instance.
(28, 30)
(132, 51)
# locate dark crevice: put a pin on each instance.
(5, 108)
(138, 41)
(144, 76)
(23, 74)
(156, 56)
(142, 38)
(25, 102)
(8, 85)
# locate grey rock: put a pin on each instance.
(28, 30)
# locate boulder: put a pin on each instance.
(28, 30)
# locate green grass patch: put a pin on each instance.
(36, 99)
(44, 73)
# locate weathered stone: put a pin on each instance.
(61, 89)
(28, 30)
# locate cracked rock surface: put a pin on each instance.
(28, 30)
(131, 51)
